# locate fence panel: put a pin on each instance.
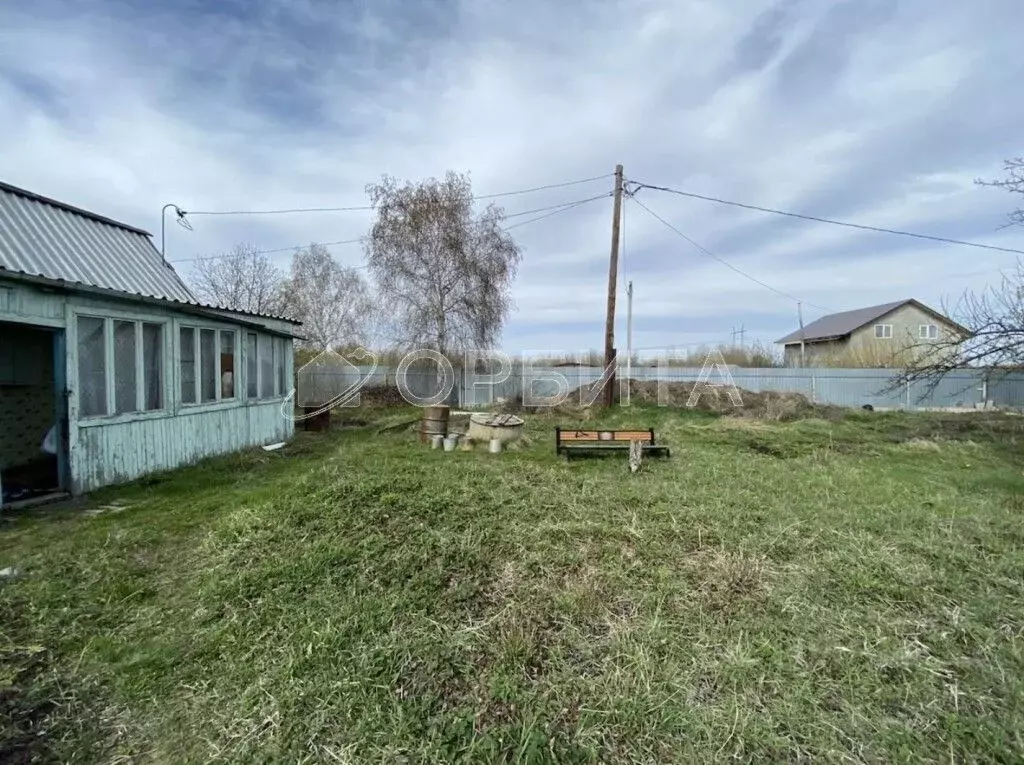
(965, 388)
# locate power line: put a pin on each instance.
(846, 224)
(266, 252)
(544, 188)
(561, 207)
(371, 207)
(725, 262)
(279, 212)
(558, 206)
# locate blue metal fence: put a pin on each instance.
(963, 389)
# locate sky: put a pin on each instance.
(881, 112)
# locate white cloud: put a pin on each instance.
(878, 114)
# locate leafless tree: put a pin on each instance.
(443, 270)
(994, 336)
(1013, 182)
(331, 300)
(992, 319)
(242, 280)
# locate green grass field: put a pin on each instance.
(847, 591)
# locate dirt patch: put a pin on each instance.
(381, 395)
(725, 580)
(768, 405)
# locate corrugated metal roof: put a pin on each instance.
(43, 237)
(840, 324)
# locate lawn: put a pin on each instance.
(848, 591)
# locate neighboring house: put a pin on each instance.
(878, 336)
(109, 366)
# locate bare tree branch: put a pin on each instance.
(332, 301)
(994, 320)
(242, 280)
(1013, 182)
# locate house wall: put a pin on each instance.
(905, 321)
(813, 352)
(862, 349)
(112, 448)
(27, 402)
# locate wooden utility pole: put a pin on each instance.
(613, 273)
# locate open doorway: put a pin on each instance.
(33, 419)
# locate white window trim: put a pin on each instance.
(886, 332)
(109, 371)
(218, 401)
(924, 331)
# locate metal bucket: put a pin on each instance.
(436, 441)
(450, 442)
(495, 446)
(435, 422)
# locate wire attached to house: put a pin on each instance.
(266, 252)
(726, 263)
(549, 210)
(863, 227)
(371, 207)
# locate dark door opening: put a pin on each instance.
(33, 416)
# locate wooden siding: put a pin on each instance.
(114, 448)
(21, 303)
(104, 454)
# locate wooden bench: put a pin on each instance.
(589, 442)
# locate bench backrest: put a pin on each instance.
(566, 436)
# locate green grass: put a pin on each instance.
(846, 591)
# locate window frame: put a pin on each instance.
(218, 329)
(110, 371)
(886, 333)
(108, 343)
(927, 331)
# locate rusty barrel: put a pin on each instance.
(435, 422)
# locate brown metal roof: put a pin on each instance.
(837, 325)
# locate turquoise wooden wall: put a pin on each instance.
(114, 448)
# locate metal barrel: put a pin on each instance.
(435, 422)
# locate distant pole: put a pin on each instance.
(629, 331)
(613, 273)
(800, 316)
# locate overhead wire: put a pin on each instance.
(371, 207)
(726, 263)
(559, 209)
(263, 252)
(830, 221)
(549, 210)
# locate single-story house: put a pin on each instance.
(874, 336)
(110, 368)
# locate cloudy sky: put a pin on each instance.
(875, 111)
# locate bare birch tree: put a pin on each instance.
(331, 300)
(242, 280)
(443, 270)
